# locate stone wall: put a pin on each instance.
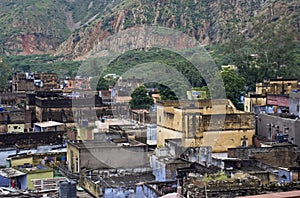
(283, 156)
(194, 187)
(27, 140)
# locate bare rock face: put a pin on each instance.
(39, 27)
(208, 21)
(73, 28)
(31, 44)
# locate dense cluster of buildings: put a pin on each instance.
(55, 135)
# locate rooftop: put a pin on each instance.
(103, 144)
(128, 181)
(48, 124)
(10, 172)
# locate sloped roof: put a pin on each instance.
(10, 172)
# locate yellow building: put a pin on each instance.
(19, 160)
(268, 87)
(215, 123)
(36, 172)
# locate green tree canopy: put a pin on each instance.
(4, 74)
(165, 92)
(140, 99)
(234, 85)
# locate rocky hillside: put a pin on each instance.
(74, 27)
(40, 26)
(209, 21)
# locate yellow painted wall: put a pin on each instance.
(164, 133)
(21, 161)
(174, 123)
(37, 175)
(72, 154)
(221, 141)
(254, 101)
(83, 134)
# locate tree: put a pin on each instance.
(100, 83)
(234, 85)
(4, 74)
(140, 99)
(271, 53)
(164, 91)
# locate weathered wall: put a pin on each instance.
(90, 186)
(164, 133)
(37, 175)
(21, 161)
(270, 125)
(31, 139)
(253, 100)
(104, 155)
(220, 141)
(283, 156)
(294, 104)
(203, 120)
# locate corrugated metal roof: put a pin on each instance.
(10, 172)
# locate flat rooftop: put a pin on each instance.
(48, 124)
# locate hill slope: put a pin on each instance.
(209, 21)
(39, 26)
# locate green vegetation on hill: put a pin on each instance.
(274, 54)
(43, 63)
(51, 22)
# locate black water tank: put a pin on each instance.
(67, 189)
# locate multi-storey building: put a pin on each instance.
(215, 123)
(25, 82)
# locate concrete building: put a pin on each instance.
(21, 177)
(273, 92)
(276, 155)
(118, 153)
(173, 156)
(119, 182)
(294, 104)
(12, 99)
(48, 126)
(11, 177)
(35, 172)
(78, 83)
(26, 82)
(151, 134)
(279, 128)
(69, 109)
(200, 123)
(14, 119)
(30, 139)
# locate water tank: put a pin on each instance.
(67, 189)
